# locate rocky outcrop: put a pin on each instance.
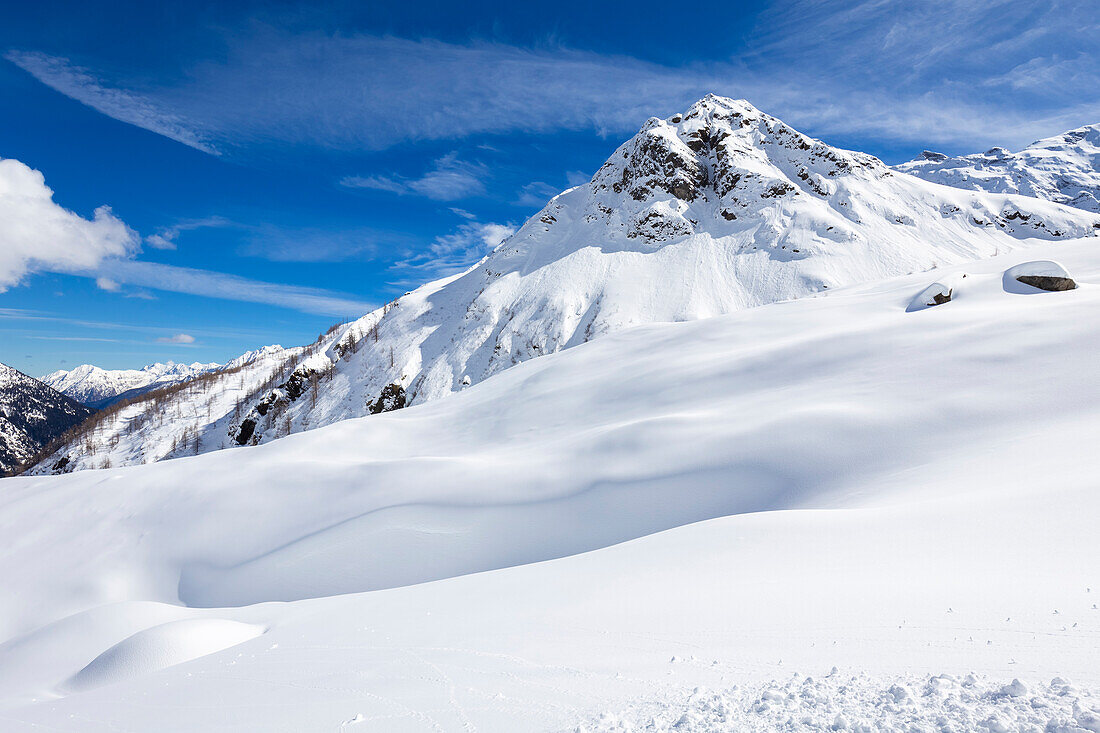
(392, 398)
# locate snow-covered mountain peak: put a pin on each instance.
(713, 210)
(1063, 168)
(97, 387)
(31, 415)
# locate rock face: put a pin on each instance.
(1064, 168)
(716, 209)
(392, 398)
(31, 415)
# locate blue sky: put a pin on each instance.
(273, 167)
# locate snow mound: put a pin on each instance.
(934, 294)
(1030, 277)
(162, 646)
(839, 703)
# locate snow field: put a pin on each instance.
(913, 494)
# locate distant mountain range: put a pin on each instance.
(1064, 168)
(31, 415)
(713, 210)
(98, 388)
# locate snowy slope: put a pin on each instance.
(937, 466)
(98, 388)
(708, 212)
(1064, 168)
(31, 415)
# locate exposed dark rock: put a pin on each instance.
(1047, 282)
(248, 427)
(392, 398)
(934, 294)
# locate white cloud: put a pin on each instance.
(179, 338)
(448, 180)
(36, 234)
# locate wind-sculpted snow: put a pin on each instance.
(711, 211)
(776, 407)
(914, 495)
(1064, 168)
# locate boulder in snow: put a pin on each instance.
(934, 294)
(1041, 274)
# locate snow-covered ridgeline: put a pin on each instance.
(714, 210)
(31, 415)
(98, 388)
(1064, 168)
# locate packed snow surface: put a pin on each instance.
(904, 496)
(708, 212)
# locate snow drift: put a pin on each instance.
(914, 495)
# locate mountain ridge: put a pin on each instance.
(717, 209)
(1064, 168)
(98, 388)
(31, 415)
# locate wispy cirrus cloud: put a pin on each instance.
(924, 72)
(451, 253)
(134, 107)
(536, 193)
(449, 179)
(166, 238)
(210, 284)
